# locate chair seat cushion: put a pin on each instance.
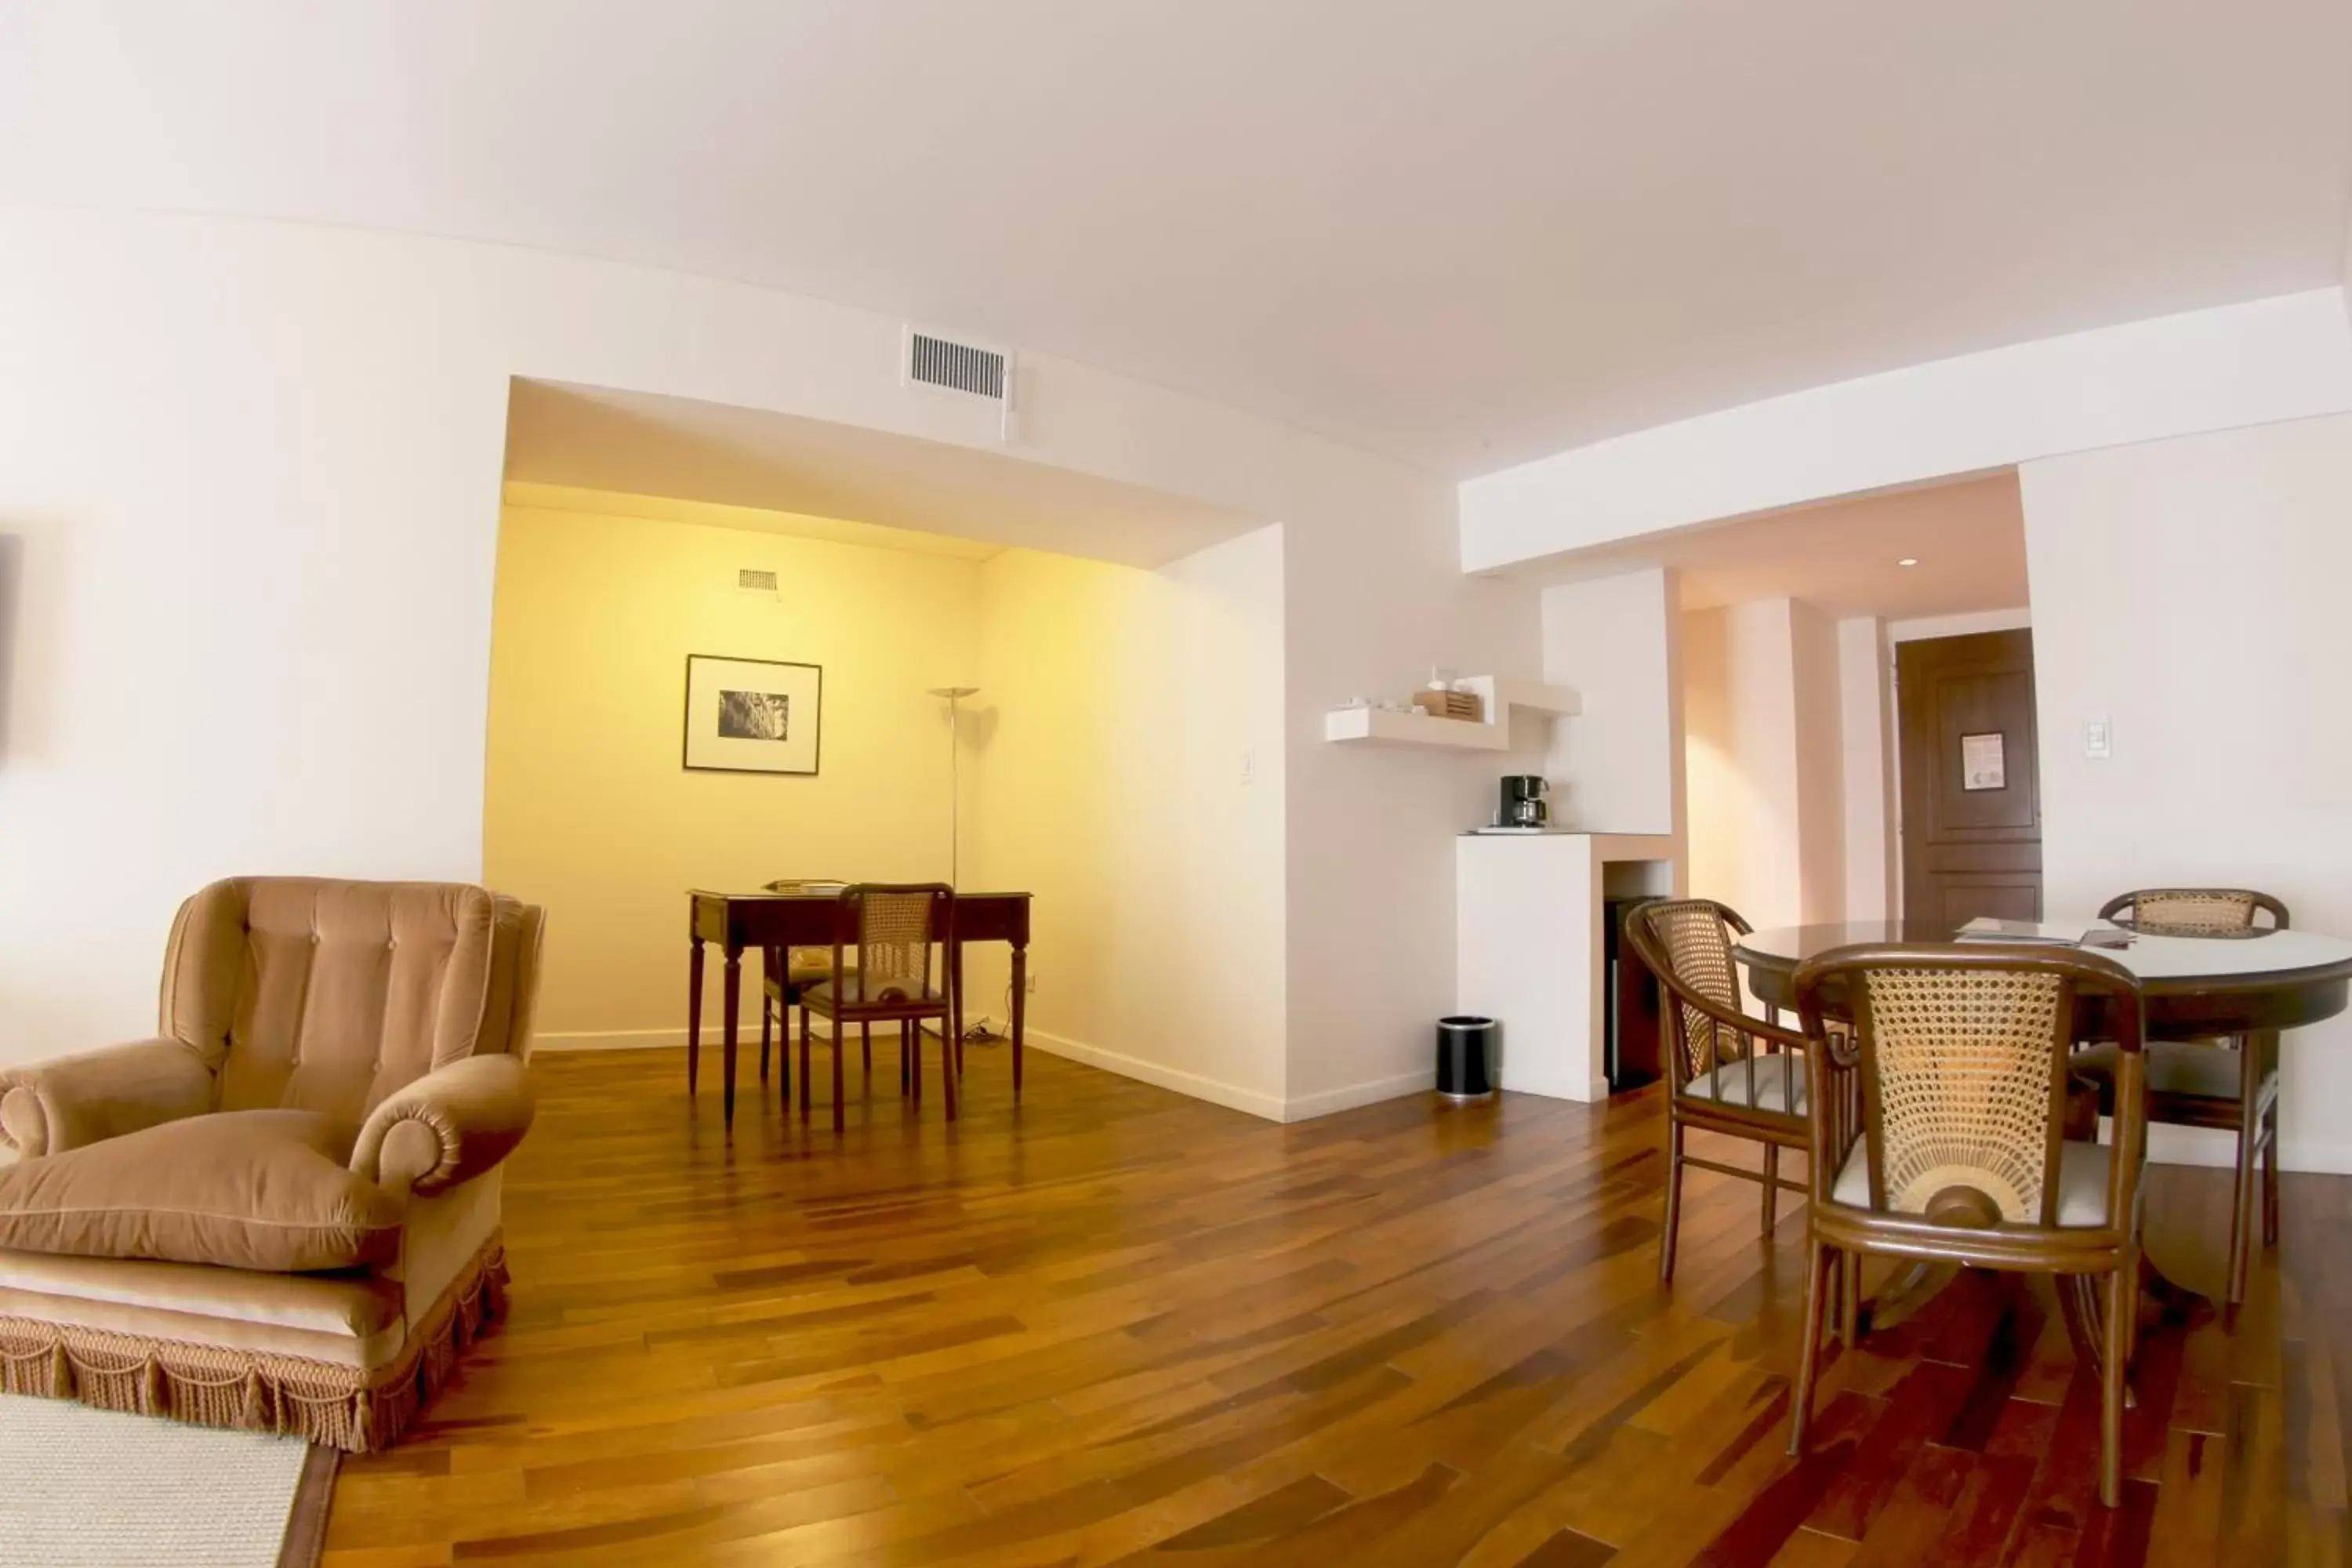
(2173, 1066)
(264, 1190)
(2082, 1182)
(801, 967)
(1780, 1085)
(888, 993)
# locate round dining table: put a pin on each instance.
(2193, 987)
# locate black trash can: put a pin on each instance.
(1466, 1053)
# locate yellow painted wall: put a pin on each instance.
(587, 808)
(1127, 769)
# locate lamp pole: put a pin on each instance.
(955, 696)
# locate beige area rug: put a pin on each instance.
(89, 1487)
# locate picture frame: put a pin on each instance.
(1984, 763)
(753, 715)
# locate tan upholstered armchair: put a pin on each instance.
(281, 1212)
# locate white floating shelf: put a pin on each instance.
(1382, 726)
(1385, 726)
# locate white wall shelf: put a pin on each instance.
(1377, 726)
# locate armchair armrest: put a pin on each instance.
(50, 1107)
(447, 1127)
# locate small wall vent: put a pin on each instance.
(752, 580)
(961, 368)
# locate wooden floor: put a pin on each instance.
(1121, 1326)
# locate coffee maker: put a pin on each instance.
(1523, 801)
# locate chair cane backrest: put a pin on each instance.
(897, 925)
(1962, 1052)
(804, 960)
(2194, 912)
(1688, 944)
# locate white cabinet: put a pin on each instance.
(1528, 952)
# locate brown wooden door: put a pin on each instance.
(1971, 783)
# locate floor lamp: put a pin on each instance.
(955, 696)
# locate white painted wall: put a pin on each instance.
(1739, 707)
(253, 472)
(1922, 627)
(1615, 767)
(1866, 730)
(2274, 359)
(1374, 598)
(1821, 765)
(1105, 754)
(2192, 590)
(2347, 264)
(1765, 742)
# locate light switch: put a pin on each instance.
(1249, 764)
(2098, 738)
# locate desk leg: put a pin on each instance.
(955, 1002)
(693, 1014)
(733, 1006)
(1020, 1009)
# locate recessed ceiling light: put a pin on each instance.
(1908, 560)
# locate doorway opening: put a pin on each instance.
(1799, 631)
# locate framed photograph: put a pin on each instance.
(753, 715)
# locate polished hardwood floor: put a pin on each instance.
(1121, 1326)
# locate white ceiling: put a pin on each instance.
(1969, 537)
(886, 490)
(1467, 234)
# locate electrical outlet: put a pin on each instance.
(1031, 987)
(2099, 737)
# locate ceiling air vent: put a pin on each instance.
(965, 369)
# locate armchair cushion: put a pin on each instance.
(73, 1101)
(447, 1127)
(264, 1190)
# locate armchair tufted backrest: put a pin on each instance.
(329, 995)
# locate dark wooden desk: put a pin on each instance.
(737, 921)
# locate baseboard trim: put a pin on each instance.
(1307, 1107)
(1192, 1084)
(2212, 1148)
(613, 1040)
(656, 1040)
(1196, 1086)
(2314, 1157)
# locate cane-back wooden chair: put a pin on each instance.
(2230, 1084)
(784, 974)
(890, 975)
(1937, 1128)
(1729, 1071)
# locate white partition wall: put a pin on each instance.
(1616, 766)
(1529, 919)
(2188, 594)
